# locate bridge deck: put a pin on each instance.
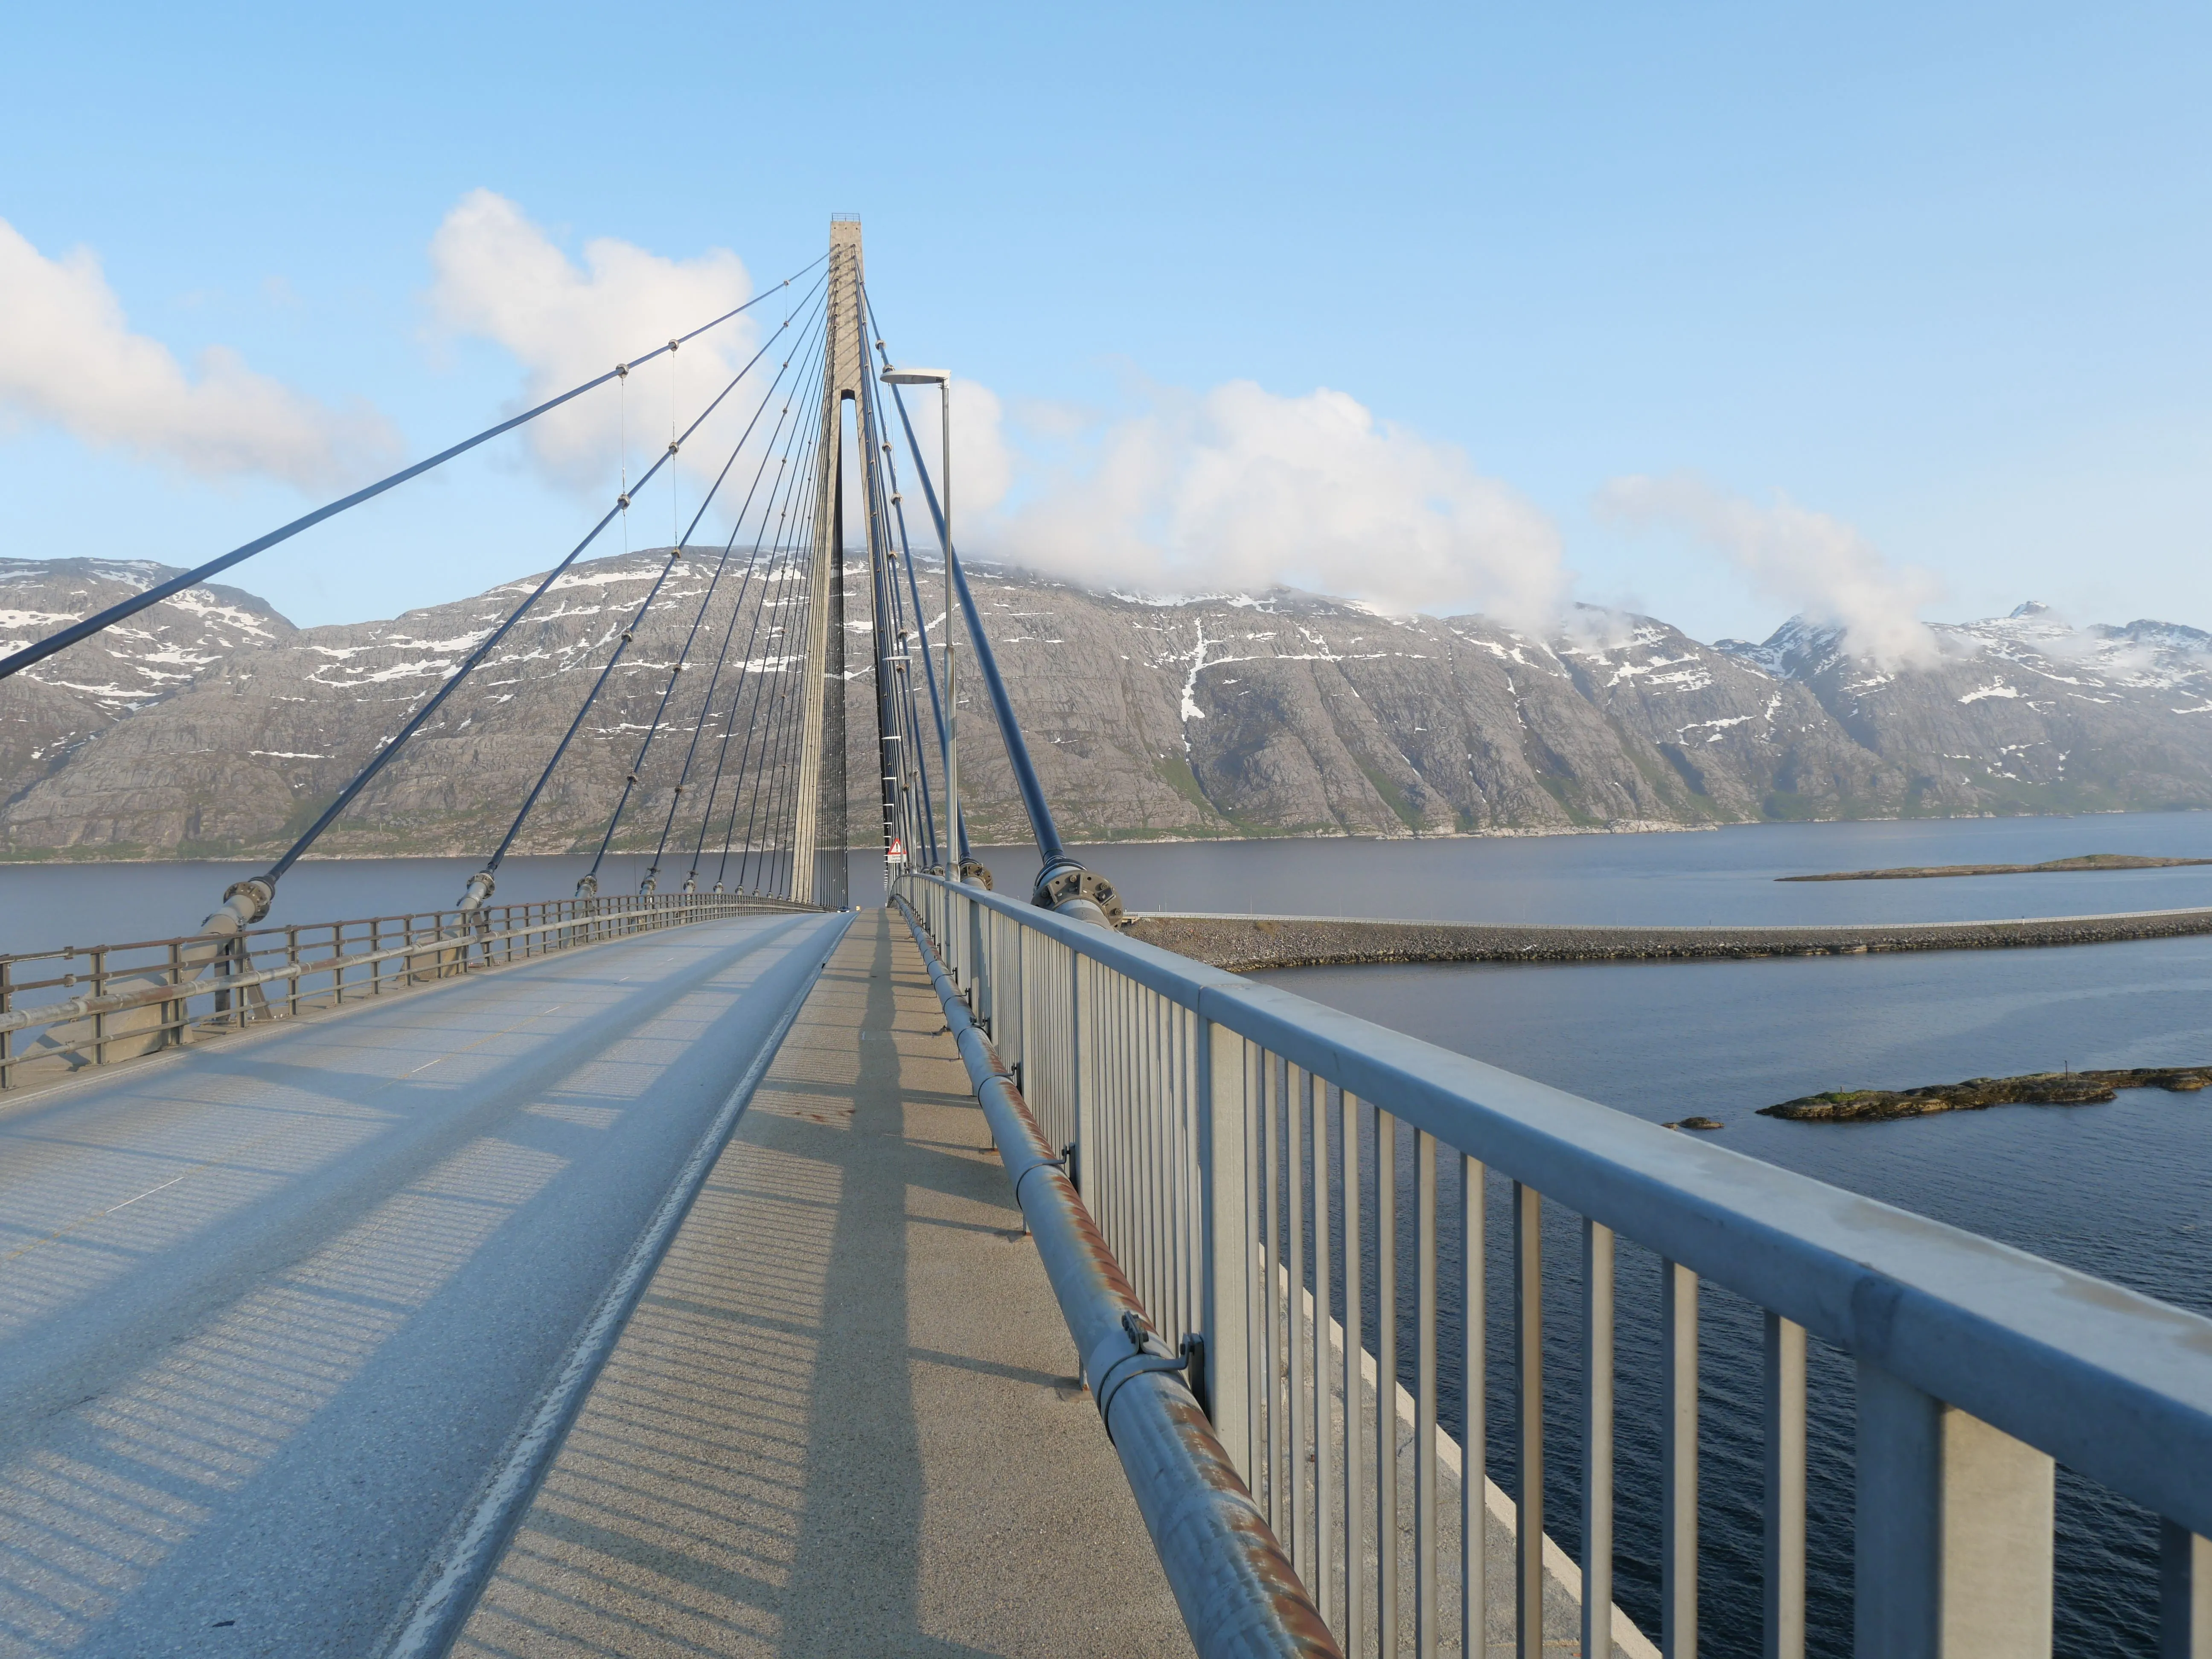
(270, 1310)
(844, 1418)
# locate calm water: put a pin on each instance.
(2123, 1191)
(1707, 876)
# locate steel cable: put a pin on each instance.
(779, 575)
(774, 701)
(637, 767)
(454, 681)
(775, 787)
(707, 703)
(737, 611)
(627, 636)
(131, 607)
(784, 738)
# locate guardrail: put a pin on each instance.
(1245, 1152)
(137, 998)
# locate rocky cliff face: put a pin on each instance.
(50, 711)
(217, 727)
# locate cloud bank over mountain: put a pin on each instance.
(1240, 489)
(1817, 564)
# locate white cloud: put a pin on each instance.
(1239, 489)
(1810, 560)
(68, 358)
(498, 276)
(983, 465)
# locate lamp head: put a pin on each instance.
(916, 376)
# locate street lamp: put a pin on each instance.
(956, 862)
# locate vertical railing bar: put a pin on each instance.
(1182, 1124)
(1426, 1635)
(1783, 1635)
(1123, 1103)
(1355, 1325)
(1597, 1437)
(1324, 1481)
(2184, 1594)
(1528, 1421)
(1271, 1269)
(1386, 1379)
(1137, 1102)
(1475, 1460)
(1294, 1138)
(98, 1021)
(1260, 1264)
(1157, 1237)
(1677, 1502)
(1158, 1038)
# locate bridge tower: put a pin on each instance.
(820, 830)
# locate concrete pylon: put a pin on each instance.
(819, 830)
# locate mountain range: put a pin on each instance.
(210, 725)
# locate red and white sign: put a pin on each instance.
(897, 852)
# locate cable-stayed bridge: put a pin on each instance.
(715, 1269)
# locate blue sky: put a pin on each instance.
(1937, 274)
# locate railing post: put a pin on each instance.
(100, 1021)
(1678, 1457)
(1078, 1081)
(1954, 1532)
(172, 1014)
(1224, 1176)
(1017, 1036)
(2185, 1597)
(1784, 1578)
(1528, 1422)
(1598, 1260)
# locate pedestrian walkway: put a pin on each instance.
(845, 1419)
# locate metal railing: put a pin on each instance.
(1250, 1156)
(97, 1005)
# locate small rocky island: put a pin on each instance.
(1976, 1093)
(2049, 867)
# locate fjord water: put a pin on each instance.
(2119, 1190)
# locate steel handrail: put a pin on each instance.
(60, 1013)
(2115, 1384)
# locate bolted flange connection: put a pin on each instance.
(975, 873)
(1071, 889)
(249, 899)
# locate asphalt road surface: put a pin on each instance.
(271, 1311)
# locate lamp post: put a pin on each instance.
(955, 860)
